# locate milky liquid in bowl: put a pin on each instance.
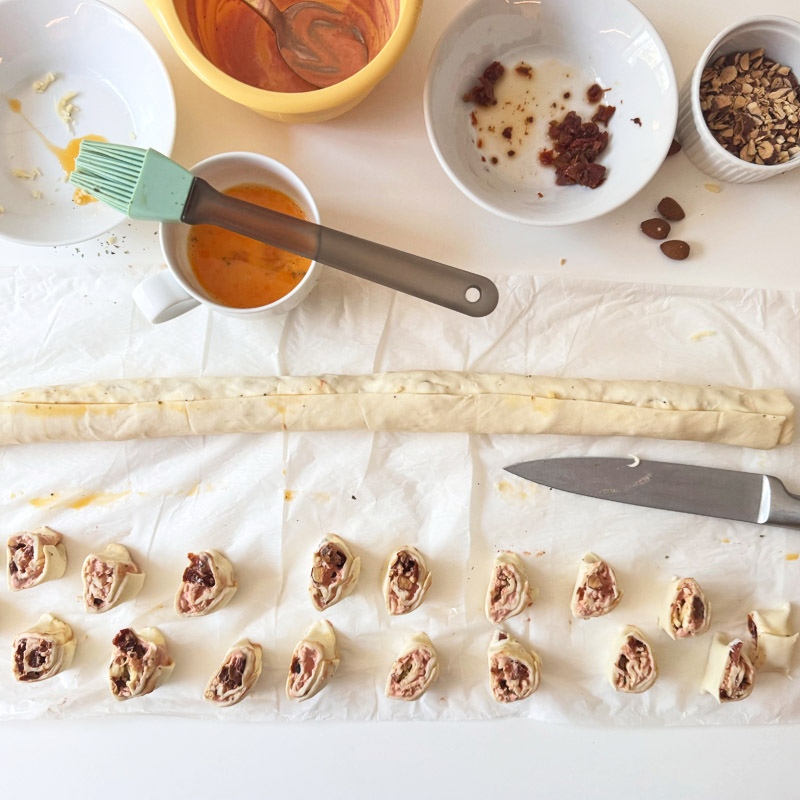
(554, 88)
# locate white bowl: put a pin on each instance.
(175, 290)
(610, 42)
(780, 38)
(123, 92)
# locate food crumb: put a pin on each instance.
(36, 194)
(2, 210)
(26, 175)
(792, 556)
(111, 239)
(563, 261)
(726, 541)
(696, 337)
(526, 552)
(65, 108)
(40, 86)
(637, 121)
(540, 194)
(132, 136)
(540, 553)
(712, 187)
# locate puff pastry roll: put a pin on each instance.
(633, 666)
(43, 651)
(140, 663)
(334, 572)
(421, 400)
(415, 669)
(509, 592)
(314, 661)
(110, 578)
(729, 673)
(207, 585)
(686, 611)
(596, 589)
(513, 669)
(35, 557)
(772, 643)
(240, 670)
(406, 580)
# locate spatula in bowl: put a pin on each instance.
(144, 184)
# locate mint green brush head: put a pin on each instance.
(143, 184)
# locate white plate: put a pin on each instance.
(608, 41)
(123, 92)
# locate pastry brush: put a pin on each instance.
(144, 184)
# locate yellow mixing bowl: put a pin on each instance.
(313, 106)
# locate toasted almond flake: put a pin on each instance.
(712, 187)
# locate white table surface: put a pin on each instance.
(373, 173)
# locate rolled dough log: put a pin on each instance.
(402, 401)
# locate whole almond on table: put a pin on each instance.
(751, 105)
(670, 209)
(676, 249)
(655, 228)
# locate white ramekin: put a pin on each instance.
(780, 38)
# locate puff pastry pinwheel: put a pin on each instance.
(415, 669)
(334, 572)
(44, 650)
(686, 611)
(207, 585)
(633, 666)
(139, 664)
(240, 669)
(406, 580)
(35, 557)
(109, 578)
(514, 671)
(314, 661)
(729, 673)
(596, 589)
(509, 592)
(772, 642)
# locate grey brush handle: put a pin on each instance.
(429, 280)
(784, 507)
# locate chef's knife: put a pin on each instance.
(711, 492)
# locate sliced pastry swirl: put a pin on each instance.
(140, 662)
(110, 578)
(240, 670)
(415, 669)
(596, 591)
(514, 671)
(314, 661)
(334, 572)
(771, 640)
(729, 673)
(633, 666)
(35, 557)
(208, 584)
(686, 611)
(509, 592)
(43, 651)
(406, 580)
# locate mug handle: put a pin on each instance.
(161, 298)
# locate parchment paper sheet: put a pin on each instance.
(265, 500)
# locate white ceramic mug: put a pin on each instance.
(175, 290)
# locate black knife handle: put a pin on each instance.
(784, 507)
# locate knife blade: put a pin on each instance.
(708, 491)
